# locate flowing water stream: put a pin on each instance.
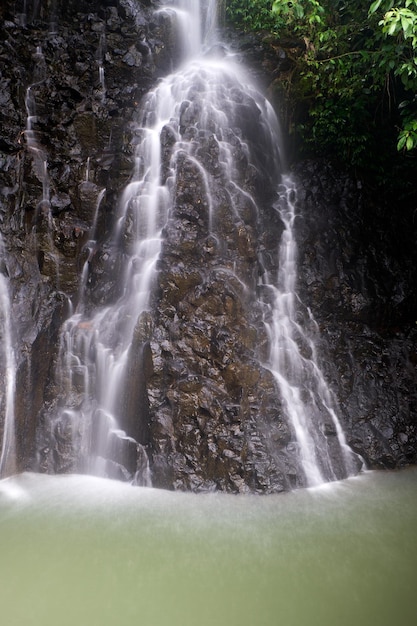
(35, 149)
(8, 370)
(196, 102)
(309, 402)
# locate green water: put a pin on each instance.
(89, 552)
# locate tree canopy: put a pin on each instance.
(356, 78)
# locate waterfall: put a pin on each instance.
(320, 442)
(8, 365)
(35, 149)
(42, 221)
(93, 362)
(100, 62)
(196, 21)
(196, 109)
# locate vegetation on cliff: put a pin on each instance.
(353, 79)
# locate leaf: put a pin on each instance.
(407, 26)
(403, 104)
(409, 143)
(401, 142)
(392, 28)
(375, 6)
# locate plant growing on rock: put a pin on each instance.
(399, 27)
(355, 81)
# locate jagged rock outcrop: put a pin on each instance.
(213, 406)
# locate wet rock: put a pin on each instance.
(51, 179)
(357, 271)
(199, 406)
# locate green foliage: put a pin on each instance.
(407, 139)
(251, 14)
(360, 60)
(296, 14)
(337, 77)
(399, 26)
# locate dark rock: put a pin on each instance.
(357, 273)
(51, 179)
(199, 404)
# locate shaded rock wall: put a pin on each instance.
(358, 274)
(77, 142)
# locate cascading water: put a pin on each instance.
(8, 368)
(100, 62)
(197, 106)
(320, 442)
(231, 358)
(39, 157)
(95, 348)
(40, 162)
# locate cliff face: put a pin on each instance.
(198, 401)
(72, 75)
(357, 271)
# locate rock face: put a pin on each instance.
(212, 405)
(357, 272)
(198, 400)
(72, 74)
